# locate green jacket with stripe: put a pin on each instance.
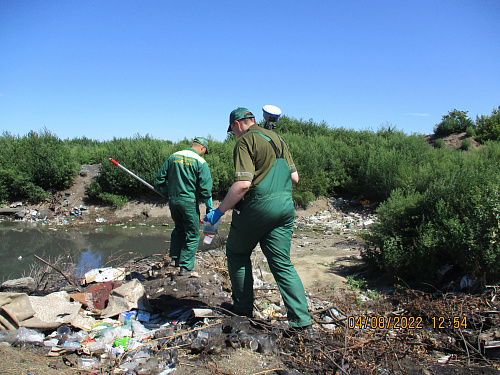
(185, 174)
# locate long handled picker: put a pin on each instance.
(135, 176)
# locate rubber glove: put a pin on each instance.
(213, 216)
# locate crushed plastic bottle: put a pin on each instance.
(199, 344)
(63, 332)
(140, 332)
(265, 344)
(29, 335)
(9, 337)
(87, 362)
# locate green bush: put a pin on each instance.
(466, 144)
(454, 122)
(470, 131)
(488, 127)
(453, 222)
(304, 199)
(113, 200)
(34, 165)
(439, 143)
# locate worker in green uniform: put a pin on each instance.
(185, 180)
(263, 213)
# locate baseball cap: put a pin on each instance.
(239, 114)
(202, 141)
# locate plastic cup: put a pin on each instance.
(210, 229)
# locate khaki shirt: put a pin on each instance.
(254, 156)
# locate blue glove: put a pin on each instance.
(213, 216)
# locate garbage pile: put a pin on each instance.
(117, 326)
(62, 213)
(342, 216)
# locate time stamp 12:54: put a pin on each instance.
(405, 322)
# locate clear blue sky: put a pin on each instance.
(175, 69)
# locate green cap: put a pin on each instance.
(239, 114)
(202, 141)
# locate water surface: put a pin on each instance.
(88, 248)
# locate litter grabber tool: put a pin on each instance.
(135, 176)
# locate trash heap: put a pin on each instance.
(115, 325)
(62, 213)
(342, 216)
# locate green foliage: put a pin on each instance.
(113, 200)
(33, 165)
(143, 156)
(304, 199)
(438, 206)
(470, 131)
(439, 143)
(466, 144)
(454, 122)
(355, 284)
(488, 127)
(454, 221)
(220, 162)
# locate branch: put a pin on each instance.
(58, 270)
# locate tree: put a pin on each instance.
(454, 122)
(488, 127)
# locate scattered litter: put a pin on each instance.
(101, 275)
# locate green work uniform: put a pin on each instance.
(266, 215)
(185, 178)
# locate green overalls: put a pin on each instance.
(266, 216)
(184, 178)
(186, 234)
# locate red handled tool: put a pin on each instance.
(135, 176)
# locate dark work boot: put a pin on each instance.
(307, 332)
(230, 307)
(174, 262)
(185, 272)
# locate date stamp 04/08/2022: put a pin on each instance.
(406, 322)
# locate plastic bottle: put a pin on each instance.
(79, 336)
(199, 343)
(29, 335)
(62, 331)
(87, 362)
(8, 336)
(234, 340)
(210, 231)
(99, 346)
(140, 332)
(265, 345)
(122, 341)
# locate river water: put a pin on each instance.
(88, 248)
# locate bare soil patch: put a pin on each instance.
(452, 141)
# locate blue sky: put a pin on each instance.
(175, 69)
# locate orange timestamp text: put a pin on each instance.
(405, 322)
(385, 322)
